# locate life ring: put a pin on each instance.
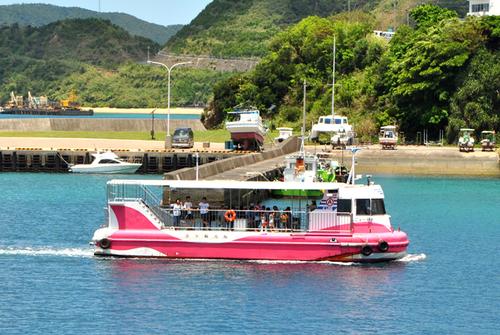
(383, 246)
(230, 215)
(105, 243)
(366, 250)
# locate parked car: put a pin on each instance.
(183, 138)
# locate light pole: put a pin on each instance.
(168, 138)
(153, 124)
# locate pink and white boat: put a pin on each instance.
(346, 223)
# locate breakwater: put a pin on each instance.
(74, 124)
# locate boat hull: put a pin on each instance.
(251, 136)
(106, 168)
(276, 246)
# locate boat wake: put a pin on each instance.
(412, 258)
(47, 251)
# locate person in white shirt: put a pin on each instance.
(176, 212)
(203, 205)
(188, 214)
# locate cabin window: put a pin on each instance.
(363, 206)
(378, 207)
(482, 7)
(108, 161)
(327, 121)
(344, 206)
(370, 207)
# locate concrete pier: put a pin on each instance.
(421, 160)
(252, 166)
(153, 161)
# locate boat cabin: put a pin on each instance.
(336, 119)
(284, 133)
(249, 205)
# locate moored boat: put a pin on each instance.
(244, 221)
(105, 162)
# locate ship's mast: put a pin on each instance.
(333, 78)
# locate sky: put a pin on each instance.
(164, 12)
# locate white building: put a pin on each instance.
(484, 7)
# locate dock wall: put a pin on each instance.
(424, 161)
(74, 124)
(153, 161)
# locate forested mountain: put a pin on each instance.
(38, 15)
(230, 28)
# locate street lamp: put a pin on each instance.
(153, 124)
(168, 138)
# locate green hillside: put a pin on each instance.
(229, 28)
(99, 61)
(38, 15)
(441, 73)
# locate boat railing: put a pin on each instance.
(255, 220)
(322, 220)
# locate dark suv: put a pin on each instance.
(183, 138)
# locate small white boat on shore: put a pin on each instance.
(105, 162)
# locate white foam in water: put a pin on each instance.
(412, 258)
(47, 251)
(302, 262)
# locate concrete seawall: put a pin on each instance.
(415, 160)
(47, 124)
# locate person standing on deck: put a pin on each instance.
(203, 205)
(176, 212)
(188, 214)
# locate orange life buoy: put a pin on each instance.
(230, 215)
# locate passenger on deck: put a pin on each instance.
(188, 214)
(176, 212)
(284, 219)
(203, 205)
(263, 219)
(257, 216)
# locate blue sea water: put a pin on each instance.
(106, 116)
(51, 283)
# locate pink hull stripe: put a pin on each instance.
(129, 218)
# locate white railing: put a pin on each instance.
(326, 221)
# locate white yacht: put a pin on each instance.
(106, 162)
